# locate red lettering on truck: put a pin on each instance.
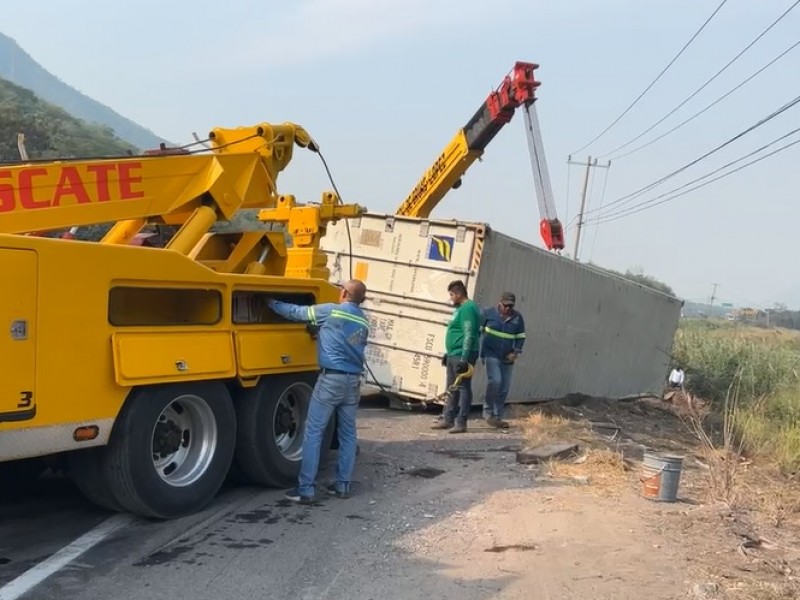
(33, 188)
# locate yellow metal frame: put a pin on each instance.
(72, 364)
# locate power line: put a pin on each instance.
(628, 197)
(645, 205)
(702, 87)
(652, 83)
(620, 211)
(717, 101)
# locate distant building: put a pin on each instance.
(747, 315)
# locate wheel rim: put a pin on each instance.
(288, 420)
(184, 440)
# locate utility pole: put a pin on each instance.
(713, 296)
(589, 164)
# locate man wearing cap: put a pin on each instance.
(503, 337)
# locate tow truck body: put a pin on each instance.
(153, 370)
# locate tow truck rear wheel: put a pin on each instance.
(86, 469)
(271, 425)
(171, 448)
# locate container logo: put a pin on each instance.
(441, 248)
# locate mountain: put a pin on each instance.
(18, 67)
(50, 132)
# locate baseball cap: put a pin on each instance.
(508, 298)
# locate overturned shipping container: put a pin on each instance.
(588, 331)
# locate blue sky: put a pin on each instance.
(383, 85)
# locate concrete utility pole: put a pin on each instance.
(713, 296)
(589, 164)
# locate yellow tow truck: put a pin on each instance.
(155, 371)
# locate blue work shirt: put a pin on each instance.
(343, 332)
(501, 335)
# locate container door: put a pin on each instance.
(407, 265)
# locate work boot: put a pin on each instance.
(441, 424)
(458, 429)
(497, 423)
(295, 496)
(332, 491)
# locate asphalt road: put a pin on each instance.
(251, 542)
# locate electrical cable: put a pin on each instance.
(388, 393)
(642, 206)
(346, 221)
(698, 90)
(717, 101)
(717, 170)
(652, 83)
(629, 197)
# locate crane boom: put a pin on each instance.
(549, 226)
(469, 143)
(173, 187)
(165, 185)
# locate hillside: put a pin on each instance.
(50, 132)
(18, 67)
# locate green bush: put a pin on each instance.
(719, 356)
(713, 357)
(771, 427)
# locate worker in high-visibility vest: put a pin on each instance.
(501, 344)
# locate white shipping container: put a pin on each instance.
(588, 331)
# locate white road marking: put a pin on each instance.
(37, 574)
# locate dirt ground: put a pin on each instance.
(578, 527)
(443, 516)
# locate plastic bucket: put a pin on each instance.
(661, 476)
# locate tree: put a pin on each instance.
(637, 275)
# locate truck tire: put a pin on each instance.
(86, 470)
(171, 448)
(271, 423)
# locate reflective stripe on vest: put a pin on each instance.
(503, 335)
(347, 316)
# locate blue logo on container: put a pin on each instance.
(441, 248)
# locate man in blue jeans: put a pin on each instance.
(341, 341)
(503, 338)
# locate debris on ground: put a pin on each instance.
(540, 454)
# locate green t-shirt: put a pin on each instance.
(463, 331)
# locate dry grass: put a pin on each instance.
(604, 471)
(771, 495)
(754, 589)
(540, 428)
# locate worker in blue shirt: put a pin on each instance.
(341, 341)
(503, 337)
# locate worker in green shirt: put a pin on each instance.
(462, 342)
